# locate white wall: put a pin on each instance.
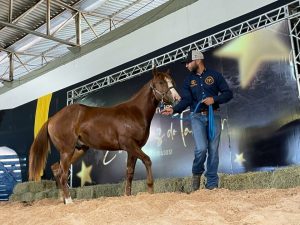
(185, 22)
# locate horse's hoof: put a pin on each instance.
(127, 193)
(68, 201)
(151, 191)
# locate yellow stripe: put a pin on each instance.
(41, 113)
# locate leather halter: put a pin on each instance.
(162, 94)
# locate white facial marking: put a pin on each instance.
(174, 93)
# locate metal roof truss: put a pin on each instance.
(290, 11)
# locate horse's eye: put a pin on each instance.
(160, 82)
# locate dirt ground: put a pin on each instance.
(247, 207)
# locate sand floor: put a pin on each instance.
(271, 206)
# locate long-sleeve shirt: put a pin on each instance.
(197, 87)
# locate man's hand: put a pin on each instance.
(167, 111)
(208, 101)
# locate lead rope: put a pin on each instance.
(211, 120)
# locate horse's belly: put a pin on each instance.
(99, 138)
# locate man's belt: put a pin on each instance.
(205, 112)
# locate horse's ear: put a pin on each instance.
(154, 71)
(168, 71)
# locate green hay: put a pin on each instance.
(137, 187)
(48, 184)
(41, 195)
(108, 190)
(21, 188)
(85, 192)
(53, 194)
(14, 197)
(35, 187)
(281, 178)
(27, 197)
(286, 178)
(73, 192)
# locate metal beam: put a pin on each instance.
(295, 43)
(5, 50)
(95, 14)
(65, 5)
(22, 63)
(2, 75)
(25, 13)
(64, 24)
(111, 16)
(78, 28)
(87, 22)
(11, 67)
(44, 58)
(37, 33)
(24, 53)
(4, 58)
(48, 17)
(10, 12)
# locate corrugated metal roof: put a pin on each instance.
(34, 52)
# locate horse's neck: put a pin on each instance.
(145, 101)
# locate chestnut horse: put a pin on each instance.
(76, 128)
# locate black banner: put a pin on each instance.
(260, 125)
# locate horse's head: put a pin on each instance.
(163, 87)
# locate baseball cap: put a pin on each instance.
(193, 55)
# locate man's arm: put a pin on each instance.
(186, 99)
(226, 94)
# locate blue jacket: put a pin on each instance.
(197, 87)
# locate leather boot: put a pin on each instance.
(196, 182)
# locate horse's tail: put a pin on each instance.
(38, 154)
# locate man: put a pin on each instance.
(210, 89)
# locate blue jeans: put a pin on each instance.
(205, 147)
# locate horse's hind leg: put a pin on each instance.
(78, 153)
(65, 162)
(131, 161)
(56, 170)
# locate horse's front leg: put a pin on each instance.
(132, 148)
(147, 162)
(131, 161)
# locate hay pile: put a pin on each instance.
(281, 178)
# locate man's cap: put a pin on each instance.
(193, 55)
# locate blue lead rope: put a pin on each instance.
(189, 117)
(211, 121)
